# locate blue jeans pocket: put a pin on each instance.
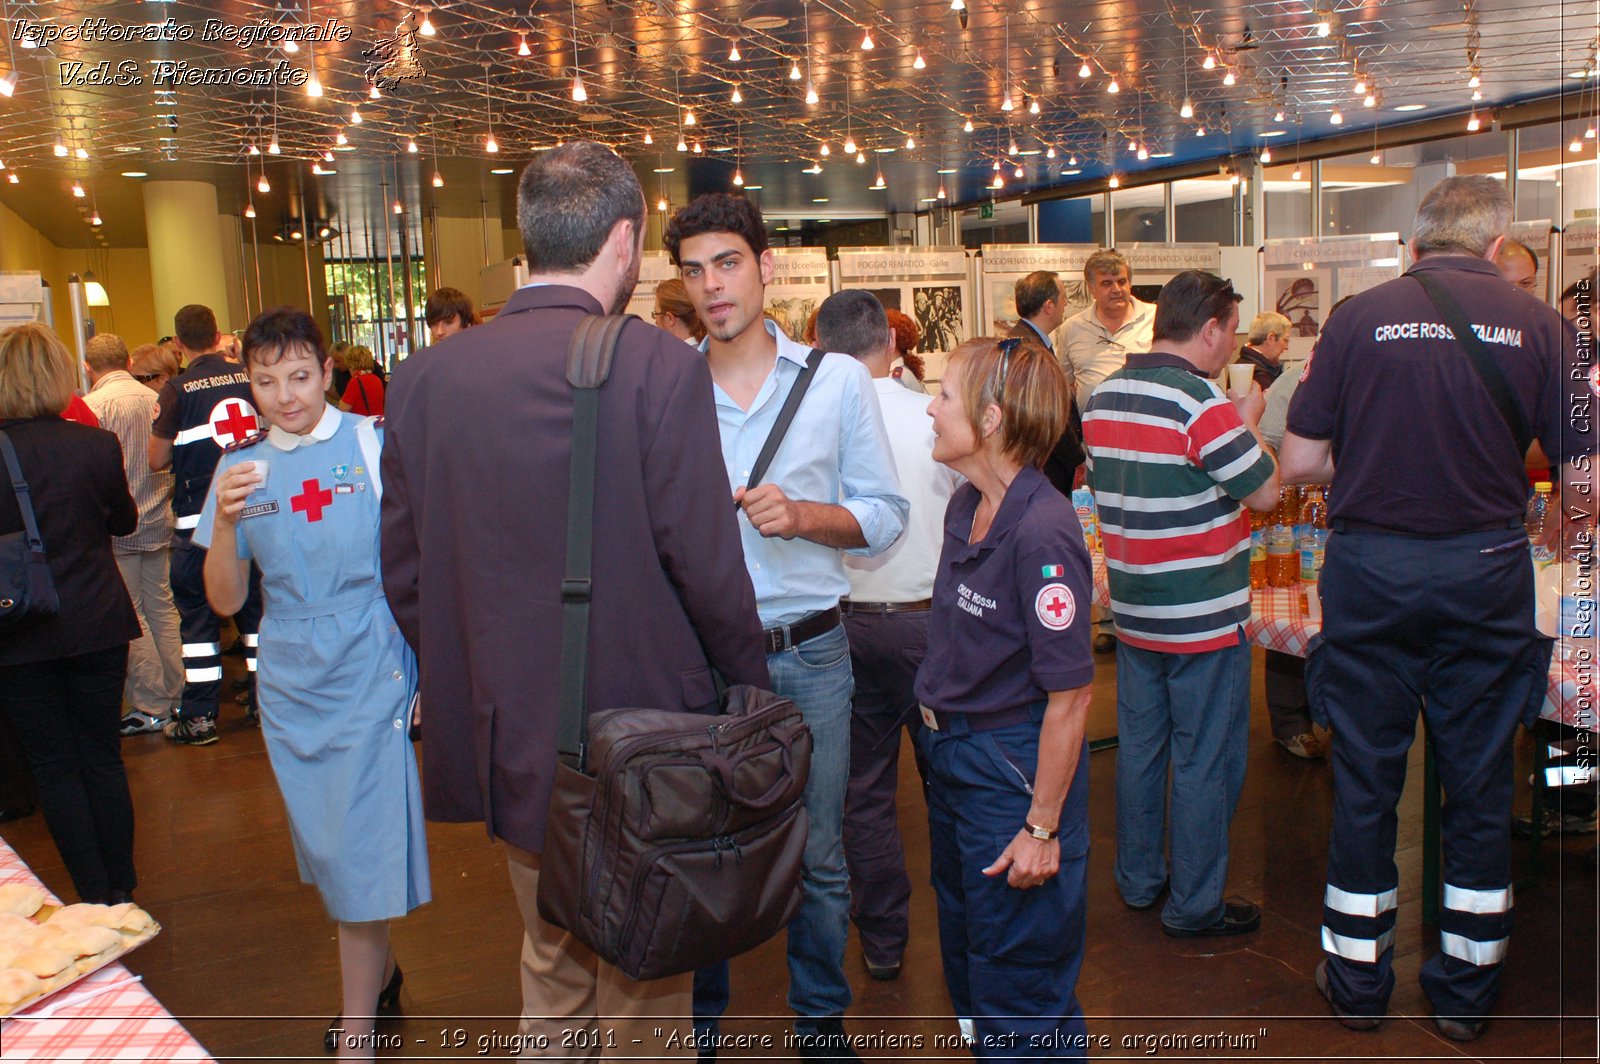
(824, 652)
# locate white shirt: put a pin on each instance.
(904, 572)
(1096, 352)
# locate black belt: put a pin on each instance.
(848, 606)
(982, 722)
(808, 627)
(1342, 525)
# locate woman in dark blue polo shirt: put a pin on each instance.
(1004, 692)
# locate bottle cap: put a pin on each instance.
(1543, 485)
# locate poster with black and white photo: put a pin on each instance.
(800, 282)
(931, 286)
(1305, 276)
(1003, 265)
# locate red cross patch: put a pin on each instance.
(233, 420)
(312, 500)
(1055, 606)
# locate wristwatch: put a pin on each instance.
(1042, 834)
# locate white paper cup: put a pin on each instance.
(1239, 375)
(259, 466)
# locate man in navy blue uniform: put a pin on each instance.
(1427, 591)
(198, 413)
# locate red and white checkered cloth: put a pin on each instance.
(126, 1023)
(1277, 622)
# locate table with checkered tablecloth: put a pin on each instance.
(125, 1023)
(1278, 622)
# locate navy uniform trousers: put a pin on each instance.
(200, 630)
(1444, 625)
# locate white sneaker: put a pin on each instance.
(139, 722)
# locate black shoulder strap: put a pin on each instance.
(19, 487)
(780, 427)
(588, 365)
(1489, 372)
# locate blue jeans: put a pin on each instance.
(1189, 712)
(816, 676)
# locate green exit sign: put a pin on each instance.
(986, 210)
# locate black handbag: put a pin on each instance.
(27, 590)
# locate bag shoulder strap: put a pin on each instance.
(19, 487)
(780, 427)
(594, 344)
(367, 438)
(1489, 371)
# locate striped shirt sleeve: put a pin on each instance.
(1226, 449)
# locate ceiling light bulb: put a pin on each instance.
(733, 53)
(1084, 71)
(682, 144)
(579, 93)
(272, 146)
(426, 29)
(295, 234)
(1296, 173)
(968, 126)
(1371, 100)
(1006, 104)
(60, 149)
(489, 144)
(438, 179)
(411, 146)
(1228, 78)
(316, 168)
(249, 210)
(1377, 157)
(1144, 153)
(794, 71)
(958, 5)
(811, 94)
(522, 47)
(1336, 118)
(355, 116)
(941, 193)
(1011, 148)
(661, 204)
(1050, 152)
(919, 63)
(866, 41)
(996, 166)
(11, 176)
(825, 151)
(291, 46)
(1324, 27)
(1210, 62)
(1472, 123)
(999, 182)
(1187, 110)
(313, 86)
(341, 139)
(1200, 131)
(1361, 86)
(879, 183)
(648, 139)
(8, 84)
(1576, 145)
(699, 148)
(373, 92)
(737, 96)
(399, 208)
(323, 232)
(1278, 117)
(1266, 155)
(251, 149)
(1474, 81)
(1233, 177)
(688, 118)
(82, 153)
(849, 145)
(327, 156)
(1588, 134)
(1017, 172)
(738, 178)
(911, 142)
(1073, 160)
(77, 190)
(1477, 94)
(1113, 87)
(1033, 107)
(861, 157)
(262, 186)
(1115, 182)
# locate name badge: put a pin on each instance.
(260, 509)
(928, 719)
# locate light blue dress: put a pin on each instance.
(336, 679)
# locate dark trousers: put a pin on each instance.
(65, 713)
(200, 630)
(886, 650)
(17, 792)
(1444, 626)
(1286, 695)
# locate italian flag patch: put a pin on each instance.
(1048, 571)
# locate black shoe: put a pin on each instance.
(1151, 904)
(1238, 918)
(252, 717)
(389, 996)
(1105, 643)
(884, 973)
(827, 1042)
(1457, 1029)
(1351, 1020)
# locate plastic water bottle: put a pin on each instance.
(1258, 550)
(1538, 513)
(1313, 535)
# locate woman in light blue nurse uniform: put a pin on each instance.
(336, 680)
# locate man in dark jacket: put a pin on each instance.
(474, 535)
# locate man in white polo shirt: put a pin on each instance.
(1098, 339)
(886, 617)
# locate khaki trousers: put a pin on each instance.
(587, 1009)
(155, 664)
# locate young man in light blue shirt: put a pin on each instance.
(831, 488)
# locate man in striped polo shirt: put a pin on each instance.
(1171, 459)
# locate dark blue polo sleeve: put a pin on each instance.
(1055, 588)
(1313, 409)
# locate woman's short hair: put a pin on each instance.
(446, 303)
(38, 376)
(672, 296)
(275, 332)
(1267, 323)
(906, 332)
(1028, 385)
(152, 362)
(358, 359)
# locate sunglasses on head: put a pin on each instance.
(1007, 347)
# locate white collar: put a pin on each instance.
(326, 426)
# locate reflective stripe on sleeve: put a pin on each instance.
(250, 639)
(1369, 905)
(250, 663)
(187, 521)
(201, 650)
(193, 435)
(203, 675)
(1361, 950)
(1472, 951)
(1463, 900)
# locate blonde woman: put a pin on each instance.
(364, 394)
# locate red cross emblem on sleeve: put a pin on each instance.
(232, 420)
(1055, 606)
(312, 500)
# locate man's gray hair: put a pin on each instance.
(1267, 323)
(106, 351)
(1461, 215)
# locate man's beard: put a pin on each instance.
(630, 281)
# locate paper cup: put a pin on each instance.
(260, 466)
(1239, 375)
